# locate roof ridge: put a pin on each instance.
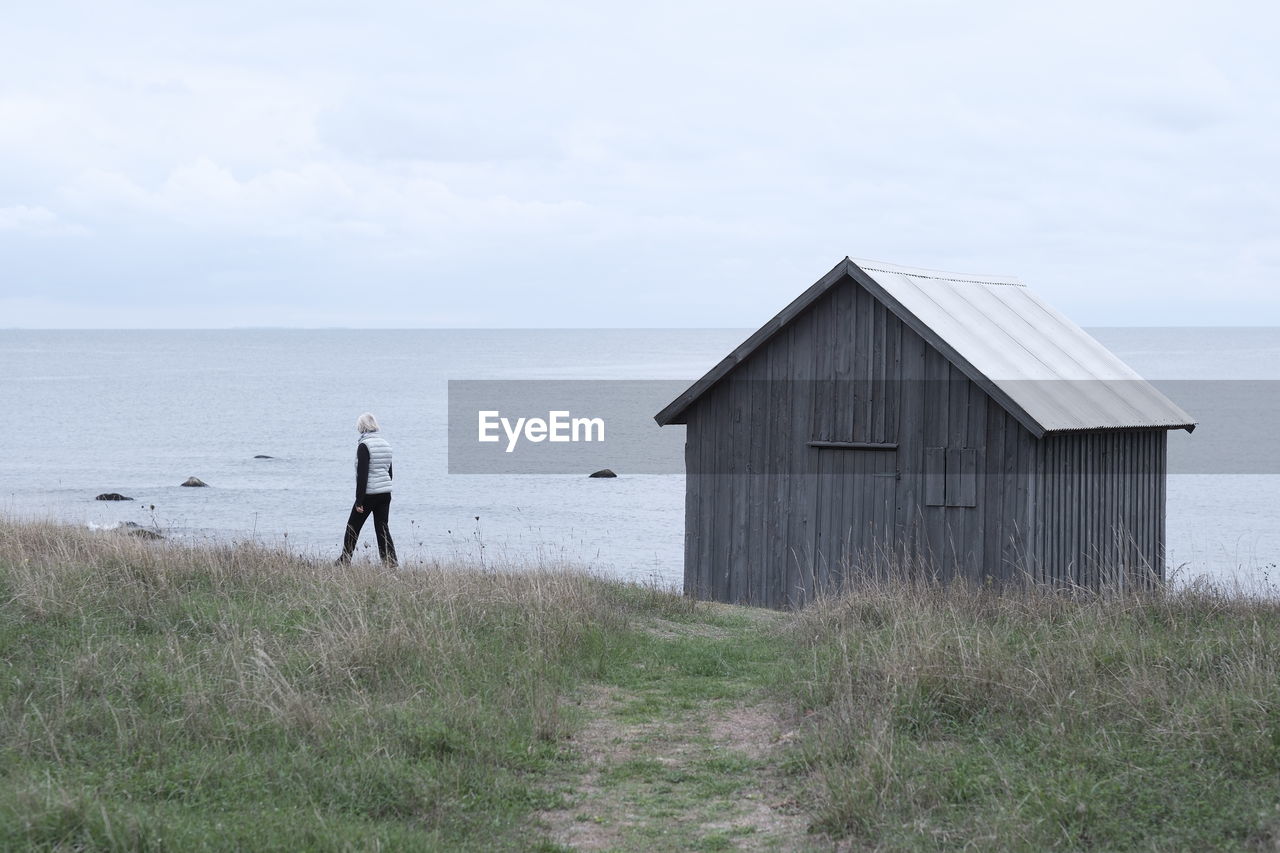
(940, 276)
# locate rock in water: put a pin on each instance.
(603, 472)
(134, 529)
(112, 496)
(263, 456)
(195, 481)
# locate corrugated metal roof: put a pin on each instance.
(1051, 368)
(1047, 371)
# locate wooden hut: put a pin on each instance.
(935, 424)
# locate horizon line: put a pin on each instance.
(521, 328)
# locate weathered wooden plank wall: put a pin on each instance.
(1100, 507)
(773, 520)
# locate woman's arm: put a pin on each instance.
(362, 473)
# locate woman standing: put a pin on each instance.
(373, 491)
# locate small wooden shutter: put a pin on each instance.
(951, 476)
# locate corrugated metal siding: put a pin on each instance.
(1059, 374)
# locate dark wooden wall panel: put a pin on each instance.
(772, 520)
(1101, 508)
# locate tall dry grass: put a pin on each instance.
(1035, 719)
(162, 697)
(233, 676)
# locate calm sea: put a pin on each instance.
(138, 412)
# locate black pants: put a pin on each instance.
(379, 506)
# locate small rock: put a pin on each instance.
(195, 481)
(132, 528)
(603, 472)
(112, 496)
(263, 456)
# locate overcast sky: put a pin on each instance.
(628, 164)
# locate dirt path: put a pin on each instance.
(676, 764)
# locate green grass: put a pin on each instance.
(942, 719)
(162, 698)
(157, 698)
(665, 781)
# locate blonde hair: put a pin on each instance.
(367, 423)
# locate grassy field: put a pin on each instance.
(161, 698)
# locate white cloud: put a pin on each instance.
(316, 197)
(591, 163)
(37, 221)
(23, 217)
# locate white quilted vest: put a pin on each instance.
(379, 463)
